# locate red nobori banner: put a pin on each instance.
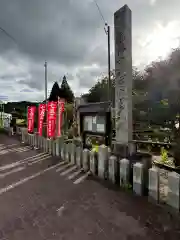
(42, 109)
(61, 103)
(31, 117)
(51, 119)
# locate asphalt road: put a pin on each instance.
(43, 198)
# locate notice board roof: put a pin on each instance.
(99, 107)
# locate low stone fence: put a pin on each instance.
(9, 131)
(138, 177)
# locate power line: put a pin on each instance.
(100, 12)
(8, 35)
(107, 31)
(101, 15)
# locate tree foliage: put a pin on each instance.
(64, 91)
(67, 91)
(156, 91)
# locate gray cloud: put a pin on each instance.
(36, 79)
(26, 90)
(88, 76)
(61, 31)
(69, 35)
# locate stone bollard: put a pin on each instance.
(79, 157)
(60, 147)
(63, 151)
(153, 184)
(45, 145)
(49, 146)
(39, 142)
(138, 179)
(33, 140)
(124, 172)
(103, 162)
(109, 152)
(112, 169)
(36, 141)
(17, 130)
(10, 132)
(57, 146)
(72, 153)
(29, 139)
(85, 160)
(42, 142)
(26, 137)
(67, 152)
(20, 131)
(93, 162)
(23, 137)
(53, 147)
(173, 198)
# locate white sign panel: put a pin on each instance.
(88, 123)
(100, 128)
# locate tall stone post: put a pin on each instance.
(123, 80)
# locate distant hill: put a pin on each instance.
(19, 106)
(63, 92)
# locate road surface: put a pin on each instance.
(41, 198)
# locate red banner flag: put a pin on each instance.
(61, 103)
(51, 119)
(42, 109)
(31, 117)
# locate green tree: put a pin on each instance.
(67, 91)
(99, 92)
(55, 92)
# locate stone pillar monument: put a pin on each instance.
(123, 81)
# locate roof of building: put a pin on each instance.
(99, 107)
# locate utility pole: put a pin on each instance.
(45, 89)
(109, 65)
(45, 66)
(107, 31)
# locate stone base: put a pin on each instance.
(173, 201)
(124, 151)
(120, 150)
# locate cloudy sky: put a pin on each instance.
(69, 34)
